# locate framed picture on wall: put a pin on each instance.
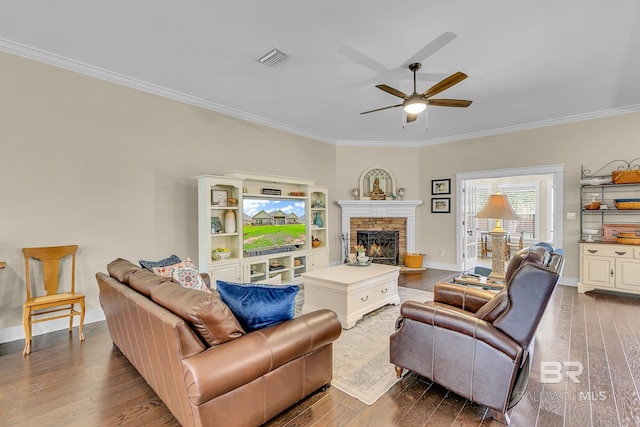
(440, 205)
(440, 186)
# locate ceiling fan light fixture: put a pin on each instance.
(414, 105)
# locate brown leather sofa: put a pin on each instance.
(479, 343)
(242, 379)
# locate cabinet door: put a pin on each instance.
(319, 259)
(628, 274)
(598, 271)
(227, 272)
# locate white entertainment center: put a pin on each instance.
(221, 223)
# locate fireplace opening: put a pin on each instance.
(382, 247)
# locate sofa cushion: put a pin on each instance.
(150, 265)
(144, 281)
(258, 305)
(120, 269)
(207, 314)
(184, 273)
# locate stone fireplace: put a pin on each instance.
(380, 215)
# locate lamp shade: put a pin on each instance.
(498, 208)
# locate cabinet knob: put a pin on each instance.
(621, 252)
(364, 298)
(592, 251)
(611, 272)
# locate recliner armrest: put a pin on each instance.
(462, 323)
(463, 297)
(228, 366)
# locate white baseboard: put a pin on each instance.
(569, 281)
(441, 266)
(15, 333)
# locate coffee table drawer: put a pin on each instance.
(361, 300)
(384, 291)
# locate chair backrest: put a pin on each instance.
(50, 257)
(531, 278)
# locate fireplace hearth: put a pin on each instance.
(382, 247)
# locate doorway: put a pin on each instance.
(534, 192)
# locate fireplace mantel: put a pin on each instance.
(382, 209)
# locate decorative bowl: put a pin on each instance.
(221, 255)
(590, 232)
(363, 259)
(316, 243)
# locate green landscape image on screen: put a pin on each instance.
(272, 223)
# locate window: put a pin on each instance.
(523, 200)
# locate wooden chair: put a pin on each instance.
(514, 247)
(53, 302)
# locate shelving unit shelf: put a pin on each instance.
(605, 263)
(222, 197)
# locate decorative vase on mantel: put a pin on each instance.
(230, 222)
(317, 221)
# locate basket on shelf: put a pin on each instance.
(592, 206)
(627, 204)
(628, 238)
(626, 177)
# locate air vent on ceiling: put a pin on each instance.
(271, 57)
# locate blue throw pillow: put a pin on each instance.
(150, 265)
(257, 306)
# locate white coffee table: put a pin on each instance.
(351, 291)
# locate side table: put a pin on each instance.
(491, 283)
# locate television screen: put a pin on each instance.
(271, 223)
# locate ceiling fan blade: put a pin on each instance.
(380, 109)
(411, 117)
(445, 84)
(392, 91)
(449, 102)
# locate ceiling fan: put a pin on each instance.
(415, 103)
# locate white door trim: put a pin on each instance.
(557, 170)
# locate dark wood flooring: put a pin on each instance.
(65, 382)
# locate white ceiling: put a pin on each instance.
(530, 63)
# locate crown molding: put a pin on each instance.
(635, 108)
(110, 76)
(535, 125)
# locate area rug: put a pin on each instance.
(361, 365)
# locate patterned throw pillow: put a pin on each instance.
(184, 273)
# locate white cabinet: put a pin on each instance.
(227, 271)
(609, 267)
(222, 223)
(318, 259)
(218, 196)
(288, 265)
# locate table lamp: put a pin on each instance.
(497, 208)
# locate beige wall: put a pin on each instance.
(113, 170)
(592, 143)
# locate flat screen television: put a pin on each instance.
(272, 224)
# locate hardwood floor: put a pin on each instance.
(65, 382)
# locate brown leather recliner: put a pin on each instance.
(478, 343)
